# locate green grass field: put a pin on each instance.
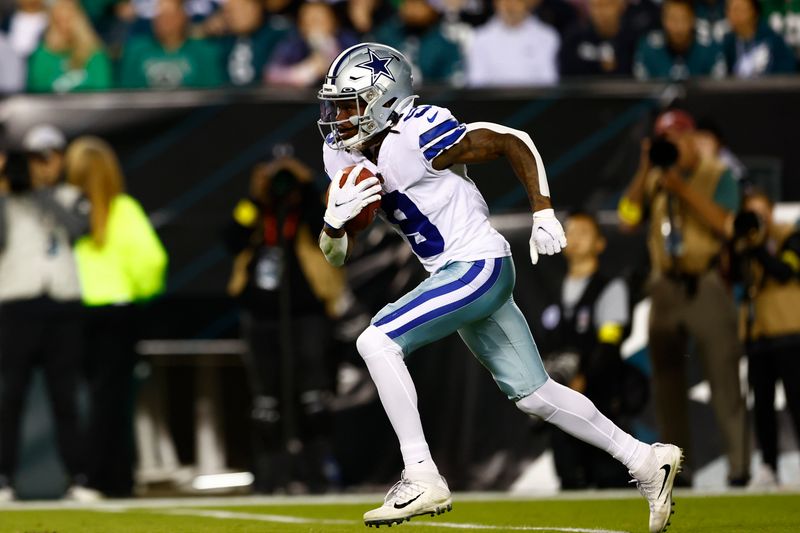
(779, 513)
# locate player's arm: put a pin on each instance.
(485, 141)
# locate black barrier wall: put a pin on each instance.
(187, 155)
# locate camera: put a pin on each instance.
(663, 153)
(17, 173)
(282, 184)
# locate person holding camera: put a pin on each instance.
(40, 309)
(768, 257)
(287, 292)
(691, 200)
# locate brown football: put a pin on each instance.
(368, 214)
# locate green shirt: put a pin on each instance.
(784, 17)
(49, 71)
(145, 63)
(727, 194)
(130, 266)
(655, 60)
(438, 58)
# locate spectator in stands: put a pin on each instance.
(602, 46)
(71, 56)
(416, 32)
(363, 16)
(302, 57)
(26, 25)
(513, 48)
(769, 256)
(40, 314)
(752, 48)
(287, 291)
(711, 23)
(121, 262)
(642, 16)
(691, 201)
(674, 52)
(585, 329)
(783, 16)
(249, 41)
(170, 58)
(12, 68)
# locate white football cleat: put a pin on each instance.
(7, 495)
(81, 494)
(658, 489)
(409, 498)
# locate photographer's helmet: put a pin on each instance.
(377, 79)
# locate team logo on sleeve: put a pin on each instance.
(379, 66)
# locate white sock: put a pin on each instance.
(577, 415)
(398, 395)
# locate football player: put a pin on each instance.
(369, 119)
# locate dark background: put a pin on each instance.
(187, 156)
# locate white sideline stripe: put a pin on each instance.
(441, 300)
(230, 515)
(286, 519)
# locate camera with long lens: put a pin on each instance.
(663, 153)
(17, 173)
(283, 183)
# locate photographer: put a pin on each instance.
(768, 257)
(40, 310)
(691, 200)
(287, 292)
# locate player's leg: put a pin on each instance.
(503, 343)
(457, 294)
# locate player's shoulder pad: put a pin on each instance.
(431, 129)
(334, 159)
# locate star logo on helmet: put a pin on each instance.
(378, 65)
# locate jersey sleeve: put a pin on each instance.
(433, 130)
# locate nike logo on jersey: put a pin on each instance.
(666, 469)
(356, 78)
(406, 504)
(432, 118)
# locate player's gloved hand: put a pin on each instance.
(347, 201)
(547, 236)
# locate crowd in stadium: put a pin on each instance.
(69, 45)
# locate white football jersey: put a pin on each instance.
(440, 213)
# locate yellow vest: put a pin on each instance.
(776, 306)
(130, 266)
(700, 244)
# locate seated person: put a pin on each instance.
(301, 59)
(513, 48)
(675, 53)
(170, 58)
(603, 45)
(417, 33)
(71, 56)
(752, 48)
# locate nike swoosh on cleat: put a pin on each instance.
(431, 119)
(666, 469)
(405, 504)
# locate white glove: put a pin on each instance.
(547, 236)
(345, 202)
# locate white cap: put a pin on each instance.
(44, 138)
